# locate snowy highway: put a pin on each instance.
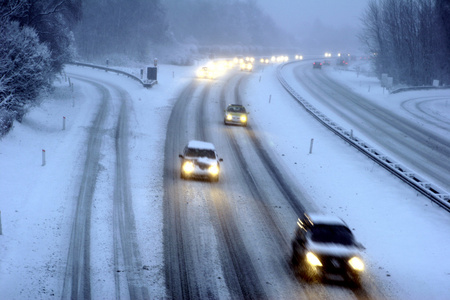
(108, 217)
(421, 143)
(221, 237)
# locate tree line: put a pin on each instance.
(173, 30)
(37, 37)
(409, 39)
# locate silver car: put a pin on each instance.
(199, 160)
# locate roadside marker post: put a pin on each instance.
(43, 157)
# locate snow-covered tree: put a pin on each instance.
(53, 21)
(24, 70)
(408, 39)
(35, 42)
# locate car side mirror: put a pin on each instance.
(360, 246)
(180, 156)
(220, 159)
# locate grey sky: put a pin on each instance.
(317, 17)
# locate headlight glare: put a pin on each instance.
(356, 263)
(188, 167)
(214, 170)
(313, 260)
(229, 117)
(243, 118)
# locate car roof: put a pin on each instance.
(322, 219)
(236, 105)
(194, 144)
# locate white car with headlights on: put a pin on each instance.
(200, 160)
(235, 114)
(324, 246)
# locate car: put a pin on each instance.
(236, 114)
(317, 65)
(200, 160)
(246, 66)
(342, 62)
(324, 246)
(206, 72)
(326, 62)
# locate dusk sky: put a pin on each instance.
(293, 14)
(324, 18)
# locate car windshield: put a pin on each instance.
(334, 234)
(240, 109)
(193, 152)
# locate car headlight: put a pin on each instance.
(229, 117)
(356, 263)
(243, 118)
(188, 167)
(313, 260)
(214, 170)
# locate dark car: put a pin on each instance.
(342, 62)
(324, 246)
(200, 160)
(235, 114)
(317, 65)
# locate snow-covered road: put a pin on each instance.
(405, 235)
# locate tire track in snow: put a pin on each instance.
(125, 241)
(77, 276)
(77, 279)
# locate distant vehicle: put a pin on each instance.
(239, 59)
(326, 62)
(246, 66)
(317, 65)
(206, 72)
(235, 114)
(342, 62)
(323, 245)
(200, 160)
